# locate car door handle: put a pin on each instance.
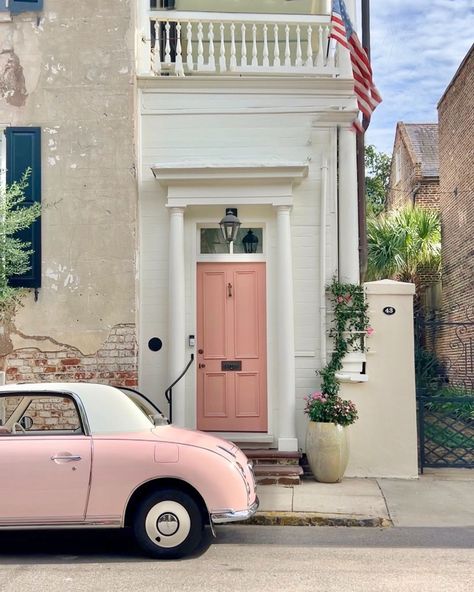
(66, 457)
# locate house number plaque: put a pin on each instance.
(389, 310)
(233, 366)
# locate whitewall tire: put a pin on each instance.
(168, 524)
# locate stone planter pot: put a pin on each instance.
(327, 449)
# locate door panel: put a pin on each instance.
(246, 403)
(246, 306)
(35, 488)
(214, 325)
(215, 401)
(231, 327)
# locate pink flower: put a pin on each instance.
(340, 299)
(369, 331)
(317, 396)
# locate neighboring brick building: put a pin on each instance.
(414, 179)
(414, 176)
(456, 168)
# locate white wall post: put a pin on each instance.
(177, 327)
(287, 439)
(348, 208)
(383, 441)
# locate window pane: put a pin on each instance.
(212, 242)
(53, 413)
(7, 407)
(32, 414)
(249, 232)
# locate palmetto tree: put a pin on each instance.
(403, 243)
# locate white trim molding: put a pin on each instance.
(204, 184)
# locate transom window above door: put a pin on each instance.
(249, 241)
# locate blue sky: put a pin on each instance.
(417, 46)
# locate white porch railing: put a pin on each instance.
(182, 43)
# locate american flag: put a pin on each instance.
(368, 96)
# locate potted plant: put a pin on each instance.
(327, 445)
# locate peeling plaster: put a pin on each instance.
(63, 277)
(12, 79)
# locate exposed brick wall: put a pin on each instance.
(47, 413)
(114, 363)
(427, 196)
(456, 149)
(404, 174)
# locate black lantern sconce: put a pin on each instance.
(230, 225)
(250, 242)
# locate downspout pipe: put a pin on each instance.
(361, 199)
(322, 260)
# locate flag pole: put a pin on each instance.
(361, 198)
(329, 38)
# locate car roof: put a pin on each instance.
(80, 388)
(107, 408)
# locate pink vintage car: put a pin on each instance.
(92, 455)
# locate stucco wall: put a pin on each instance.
(74, 78)
(383, 441)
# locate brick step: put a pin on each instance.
(273, 457)
(273, 474)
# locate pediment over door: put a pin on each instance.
(229, 184)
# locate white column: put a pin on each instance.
(348, 209)
(287, 440)
(176, 310)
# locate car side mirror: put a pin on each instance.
(26, 422)
(159, 420)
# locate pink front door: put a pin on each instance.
(231, 346)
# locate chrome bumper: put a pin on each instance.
(231, 516)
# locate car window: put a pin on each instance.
(145, 405)
(32, 414)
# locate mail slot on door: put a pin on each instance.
(233, 366)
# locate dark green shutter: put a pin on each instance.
(26, 5)
(23, 152)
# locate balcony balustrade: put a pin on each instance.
(189, 43)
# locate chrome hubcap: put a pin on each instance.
(167, 524)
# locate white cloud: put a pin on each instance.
(417, 47)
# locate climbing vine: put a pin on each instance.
(349, 330)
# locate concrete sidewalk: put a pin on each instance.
(439, 498)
